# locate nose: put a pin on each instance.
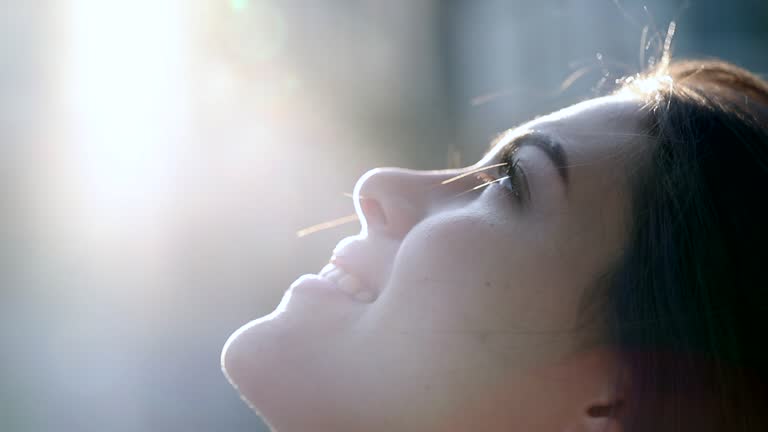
(390, 201)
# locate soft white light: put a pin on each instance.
(125, 76)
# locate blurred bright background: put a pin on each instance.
(158, 157)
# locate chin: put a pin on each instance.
(286, 364)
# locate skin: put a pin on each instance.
(476, 326)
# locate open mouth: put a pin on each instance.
(360, 266)
(348, 283)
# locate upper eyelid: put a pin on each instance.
(509, 154)
(546, 142)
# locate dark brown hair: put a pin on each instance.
(688, 304)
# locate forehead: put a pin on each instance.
(588, 131)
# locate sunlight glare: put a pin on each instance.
(124, 71)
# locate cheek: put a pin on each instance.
(471, 271)
(457, 249)
(452, 245)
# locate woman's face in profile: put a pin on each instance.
(477, 292)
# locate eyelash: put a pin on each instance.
(509, 173)
(512, 172)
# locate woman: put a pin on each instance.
(600, 269)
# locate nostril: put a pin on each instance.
(373, 212)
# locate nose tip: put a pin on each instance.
(391, 201)
(387, 202)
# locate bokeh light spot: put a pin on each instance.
(239, 5)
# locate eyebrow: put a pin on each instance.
(543, 141)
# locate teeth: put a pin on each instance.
(331, 272)
(335, 275)
(347, 283)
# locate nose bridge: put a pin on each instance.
(393, 200)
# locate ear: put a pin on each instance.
(599, 400)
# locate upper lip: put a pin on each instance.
(365, 258)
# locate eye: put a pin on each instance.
(514, 180)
